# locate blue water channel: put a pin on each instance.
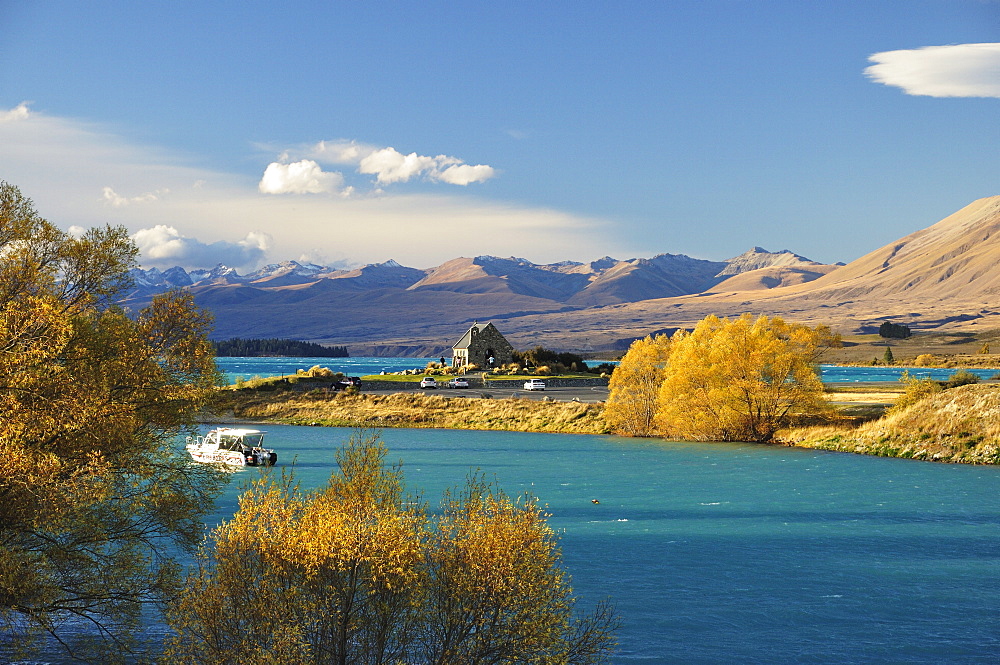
(248, 368)
(730, 553)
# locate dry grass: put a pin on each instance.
(867, 396)
(419, 410)
(957, 425)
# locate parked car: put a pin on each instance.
(428, 382)
(534, 384)
(347, 382)
(458, 383)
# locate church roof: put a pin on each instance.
(467, 337)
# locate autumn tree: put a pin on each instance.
(635, 387)
(740, 380)
(94, 497)
(356, 572)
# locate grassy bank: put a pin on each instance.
(418, 410)
(957, 425)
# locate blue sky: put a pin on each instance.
(352, 133)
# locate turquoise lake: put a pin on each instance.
(729, 553)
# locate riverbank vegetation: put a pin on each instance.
(960, 424)
(408, 409)
(359, 572)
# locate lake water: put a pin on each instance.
(248, 368)
(729, 553)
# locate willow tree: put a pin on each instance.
(356, 572)
(94, 497)
(495, 591)
(741, 380)
(635, 387)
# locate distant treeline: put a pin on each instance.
(893, 330)
(291, 348)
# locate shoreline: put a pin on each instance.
(859, 405)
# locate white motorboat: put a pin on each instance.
(231, 446)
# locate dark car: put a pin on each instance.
(347, 382)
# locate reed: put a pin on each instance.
(961, 424)
(420, 410)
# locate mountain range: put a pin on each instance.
(942, 276)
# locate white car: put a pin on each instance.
(428, 382)
(534, 384)
(458, 383)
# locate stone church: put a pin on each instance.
(482, 345)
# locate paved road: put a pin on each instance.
(581, 393)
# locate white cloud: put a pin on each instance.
(64, 166)
(340, 152)
(112, 198)
(164, 246)
(958, 70)
(389, 166)
(304, 177)
(463, 174)
(19, 112)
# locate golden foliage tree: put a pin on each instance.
(635, 387)
(94, 496)
(358, 573)
(916, 390)
(740, 380)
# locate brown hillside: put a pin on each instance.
(772, 277)
(955, 258)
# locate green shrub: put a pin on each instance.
(916, 390)
(962, 377)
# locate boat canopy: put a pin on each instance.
(234, 439)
